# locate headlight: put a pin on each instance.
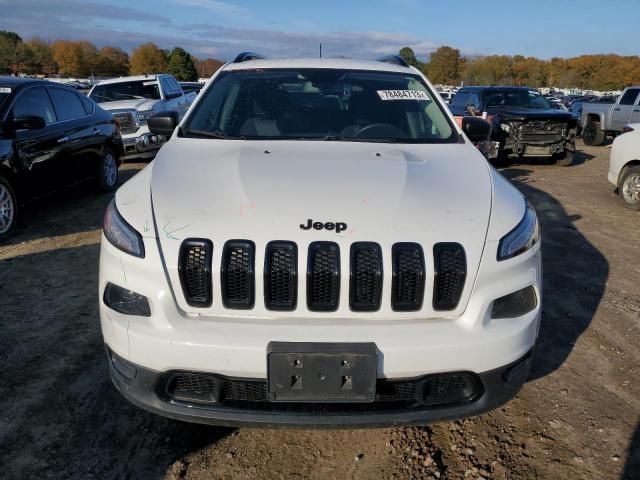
(120, 233)
(522, 238)
(144, 116)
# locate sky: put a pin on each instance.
(347, 28)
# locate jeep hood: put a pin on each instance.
(264, 190)
(135, 104)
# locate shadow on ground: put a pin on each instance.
(632, 464)
(575, 276)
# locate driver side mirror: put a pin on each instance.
(476, 128)
(163, 123)
(27, 122)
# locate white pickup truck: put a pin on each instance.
(132, 100)
(601, 119)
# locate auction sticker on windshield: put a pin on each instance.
(402, 95)
(5, 90)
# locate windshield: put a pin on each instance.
(516, 98)
(305, 104)
(112, 92)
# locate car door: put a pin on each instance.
(81, 134)
(635, 112)
(621, 114)
(38, 151)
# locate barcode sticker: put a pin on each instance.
(387, 95)
(5, 90)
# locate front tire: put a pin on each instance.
(629, 188)
(8, 209)
(565, 159)
(108, 172)
(592, 134)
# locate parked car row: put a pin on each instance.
(53, 136)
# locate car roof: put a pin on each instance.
(329, 63)
(133, 78)
(496, 87)
(18, 81)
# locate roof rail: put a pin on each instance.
(393, 59)
(246, 56)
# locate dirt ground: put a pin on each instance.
(577, 417)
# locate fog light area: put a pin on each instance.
(125, 301)
(515, 304)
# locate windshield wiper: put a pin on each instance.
(214, 134)
(337, 138)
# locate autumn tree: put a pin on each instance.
(445, 65)
(207, 67)
(112, 61)
(43, 61)
(148, 58)
(76, 59)
(182, 66)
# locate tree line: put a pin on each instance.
(82, 59)
(590, 72)
(446, 65)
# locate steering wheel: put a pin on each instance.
(380, 130)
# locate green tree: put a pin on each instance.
(42, 56)
(445, 65)
(409, 56)
(182, 66)
(148, 58)
(10, 43)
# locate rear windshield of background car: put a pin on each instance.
(138, 90)
(518, 98)
(327, 104)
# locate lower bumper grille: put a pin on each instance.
(437, 389)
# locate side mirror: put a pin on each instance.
(163, 123)
(171, 95)
(476, 128)
(28, 122)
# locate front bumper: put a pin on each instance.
(144, 388)
(141, 144)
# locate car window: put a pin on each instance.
(34, 101)
(629, 97)
(326, 104)
(88, 105)
(518, 98)
(67, 104)
(166, 87)
(137, 89)
(175, 88)
(461, 100)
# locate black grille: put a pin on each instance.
(365, 288)
(194, 267)
(237, 274)
(193, 387)
(245, 390)
(407, 289)
(323, 276)
(435, 389)
(450, 266)
(281, 276)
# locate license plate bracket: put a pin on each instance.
(321, 372)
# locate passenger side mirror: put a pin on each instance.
(476, 128)
(28, 122)
(163, 123)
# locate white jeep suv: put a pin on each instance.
(319, 244)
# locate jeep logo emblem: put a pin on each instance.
(337, 226)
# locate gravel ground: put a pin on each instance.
(577, 417)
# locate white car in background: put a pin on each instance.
(320, 244)
(132, 100)
(624, 165)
